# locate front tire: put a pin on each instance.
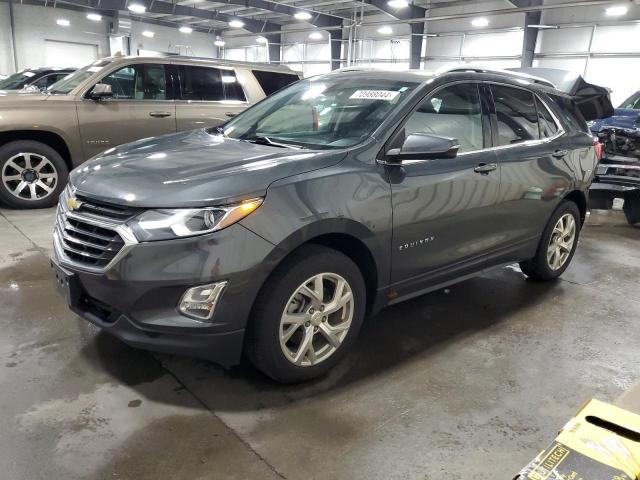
(307, 315)
(32, 174)
(557, 245)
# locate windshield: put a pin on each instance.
(17, 81)
(68, 83)
(632, 102)
(320, 113)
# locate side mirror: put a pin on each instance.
(422, 146)
(101, 91)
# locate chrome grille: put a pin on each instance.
(93, 235)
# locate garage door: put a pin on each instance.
(69, 54)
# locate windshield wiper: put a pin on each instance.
(263, 140)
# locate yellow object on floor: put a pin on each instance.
(602, 442)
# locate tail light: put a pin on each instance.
(598, 147)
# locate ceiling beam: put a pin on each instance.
(318, 19)
(167, 8)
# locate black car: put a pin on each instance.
(36, 79)
(618, 174)
(327, 201)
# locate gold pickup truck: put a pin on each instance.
(113, 101)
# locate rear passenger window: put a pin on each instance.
(548, 127)
(273, 81)
(209, 84)
(516, 114)
(453, 111)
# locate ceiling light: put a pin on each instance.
(261, 40)
(219, 43)
(542, 27)
(398, 3)
(386, 30)
(63, 22)
(148, 34)
(316, 36)
(94, 16)
(137, 8)
(302, 15)
(480, 22)
(185, 29)
(616, 11)
(236, 24)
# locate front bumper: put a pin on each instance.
(136, 298)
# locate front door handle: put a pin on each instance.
(159, 114)
(230, 114)
(485, 168)
(560, 153)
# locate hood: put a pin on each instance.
(191, 169)
(593, 101)
(621, 118)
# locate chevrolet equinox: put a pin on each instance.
(278, 232)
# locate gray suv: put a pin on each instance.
(277, 233)
(113, 101)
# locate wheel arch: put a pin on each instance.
(50, 139)
(580, 199)
(347, 236)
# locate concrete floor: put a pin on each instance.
(470, 381)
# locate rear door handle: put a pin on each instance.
(560, 153)
(485, 168)
(159, 114)
(231, 114)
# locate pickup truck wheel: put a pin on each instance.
(557, 245)
(631, 208)
(307, 315)
(32, 174)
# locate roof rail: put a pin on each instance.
(506, 73)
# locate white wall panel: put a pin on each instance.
(35, 25)
(564, 40)
(620, 74)
(493, 44)
(169, 39)
(574, 64)
(445, 46)
(6, 54)
(619, 38)
(63, 54)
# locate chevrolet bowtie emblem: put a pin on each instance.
(73, 203)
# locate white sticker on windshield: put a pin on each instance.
(386, 95)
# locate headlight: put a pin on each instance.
(164, 224)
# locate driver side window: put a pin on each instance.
(138, 82)
(454, 111)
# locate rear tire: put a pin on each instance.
(557, 244)
(297, 332)
(32, 174)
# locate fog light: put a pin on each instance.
(200, 302)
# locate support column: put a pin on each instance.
(417, 32)
(273, 49)
(335, 39)
(530, 38)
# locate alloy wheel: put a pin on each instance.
(561, 241)
(29, 176)
(316, 319)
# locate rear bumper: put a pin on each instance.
(603, 191)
